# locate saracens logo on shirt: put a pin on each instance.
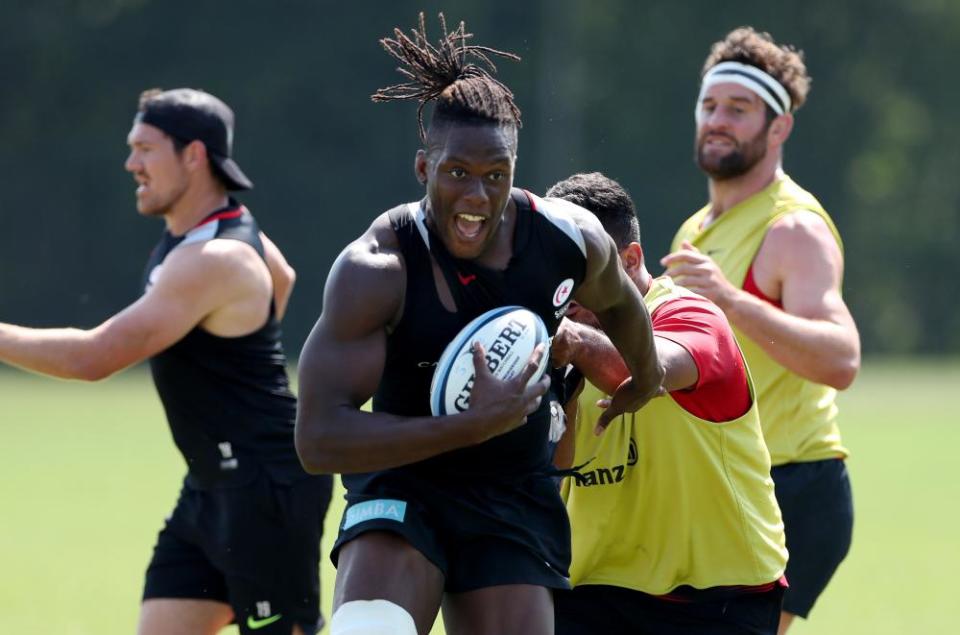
(562, 294)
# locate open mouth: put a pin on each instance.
(141, 182)
(469, 226)
(720, 141)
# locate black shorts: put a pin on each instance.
(817, 508)
(610, 610)
(479, 534)
(256, 548)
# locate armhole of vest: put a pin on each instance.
(252, 238)
(411, 241)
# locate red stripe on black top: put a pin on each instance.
(234, 213)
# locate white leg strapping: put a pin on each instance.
(372, 617)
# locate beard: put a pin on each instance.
(160, 202)
(737, 161)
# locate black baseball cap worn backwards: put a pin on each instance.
(193, 115)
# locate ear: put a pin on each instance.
(780, 129)
(420, 166)
(632, 257)
(195, 155)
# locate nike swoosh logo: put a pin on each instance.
(465, 280)
(253, 624)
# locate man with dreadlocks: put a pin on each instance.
(457, 510)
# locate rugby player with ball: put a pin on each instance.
(457, 510)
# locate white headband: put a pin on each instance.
(766, 87)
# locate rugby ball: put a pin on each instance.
(508, 335)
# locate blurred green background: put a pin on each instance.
(604, 85)
(88, 472)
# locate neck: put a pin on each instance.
(500, 251)
(727, 193)
(642, 279)
(195, 204)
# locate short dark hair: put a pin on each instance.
(606, 199)
(464, 92)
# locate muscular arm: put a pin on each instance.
(281, 273)
(344, 358)
(619, 307)
(800, 263)
(178, 301)
(595, 356)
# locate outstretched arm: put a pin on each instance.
(177, 302)
(343, 361)
(597, 358)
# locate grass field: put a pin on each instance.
(87, 473)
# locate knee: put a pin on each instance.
(371, 617)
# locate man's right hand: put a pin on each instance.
(504, 405)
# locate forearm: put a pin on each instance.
(819, 350)
(348, 440)
(598, 359)
(630, 329)
(63, 352)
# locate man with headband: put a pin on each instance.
(242, 544)
(768, 254)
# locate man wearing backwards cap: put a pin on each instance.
(766, 252)
(242, 543)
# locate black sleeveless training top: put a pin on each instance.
(227, 399)
(548, 263)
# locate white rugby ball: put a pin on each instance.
(508, 335)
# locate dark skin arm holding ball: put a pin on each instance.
(343, 361)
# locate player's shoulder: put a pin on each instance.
(691, 306)
(580, 224)
(665, 298)
(367, 281)
(800, 219)
(216, 268)
(372, 257)
(801, 233)
(213, 255)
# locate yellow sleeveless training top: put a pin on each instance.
(799, 417)
(668, 499)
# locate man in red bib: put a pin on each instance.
(674, 521)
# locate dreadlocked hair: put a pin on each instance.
(462, 90)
